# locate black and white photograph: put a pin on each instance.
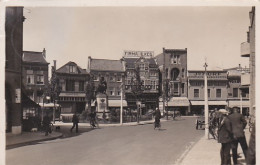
(129, 85)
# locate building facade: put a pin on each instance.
(113, 72)
(217, 90)
(248, 50)
(141, 64)
(73, 80)
(13, 65)
(238, 88)
(173, 69)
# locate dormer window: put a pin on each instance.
(72, 69)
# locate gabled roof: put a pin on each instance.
(65, 68)
(34, 57)
(106, 65)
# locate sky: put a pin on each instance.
(211, 34)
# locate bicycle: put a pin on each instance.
(93, 123)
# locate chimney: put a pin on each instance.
(239, 66)
(89, 61)
(44, 53)
(54, 64)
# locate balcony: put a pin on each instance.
(245, 49)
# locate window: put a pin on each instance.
(182, 87)
(196, 93)
(153, 83)
(112, 92)
(218, 93)
(141, 66)
(183, 73)
(81, 85)
(175, 59)
(40, 79)
(209, 93)
(235, 92)
(112, 78)
(119, 79)
(70, 85)
(30, 79)
(72, 69)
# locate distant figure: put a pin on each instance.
(46, 124)
(158, 116)
(75, 121)
(225, 137)
(238, 125)
(104, 116)
(92, 116)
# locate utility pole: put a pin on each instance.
(121, 106)
(163, 81)
(241, 102)
(206, 107)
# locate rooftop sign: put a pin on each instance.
(134, 54)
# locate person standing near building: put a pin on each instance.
(238, 125)
(46, 124)
(75, 121)
(225, 137)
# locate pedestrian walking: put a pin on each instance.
(46, 124)
(238, 125)
(75, 121)
(225, 137)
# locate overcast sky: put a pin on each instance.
(73, 34)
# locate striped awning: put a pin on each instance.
(116, 103)
(178, 102)
(209, 102)
(237, 103)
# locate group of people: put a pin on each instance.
(230, 133)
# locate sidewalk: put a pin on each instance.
(29, 138)
(206, 152)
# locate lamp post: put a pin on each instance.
(121, 105)
(206, 107)
(241, 102)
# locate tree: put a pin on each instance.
(137, 88)
(90, 90)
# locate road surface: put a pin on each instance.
(113, 145)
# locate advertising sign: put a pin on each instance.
(135, 54)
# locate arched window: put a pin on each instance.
(174, 73)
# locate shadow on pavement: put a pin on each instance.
(65, 130)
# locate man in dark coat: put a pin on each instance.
(238, 125)
(225, 138)
(250, 159)
(75, 121)
(46, 124)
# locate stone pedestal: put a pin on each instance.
(102, 103)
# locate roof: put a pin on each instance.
(65, 68)
(131, 61)
(35, 57)
(106, 65)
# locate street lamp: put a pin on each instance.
(206, 107)
(121, 105)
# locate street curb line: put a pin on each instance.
(185, 153)
(11, 146)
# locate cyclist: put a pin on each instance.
(92, 116)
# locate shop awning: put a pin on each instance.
(178, 102)
(209, 102)
(237, 103)
(72, 94)
(116, 103)
(48, 105)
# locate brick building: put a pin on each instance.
(217, 90)
(113, 72)
(173, 68)
(238, 88)
(72, 80)
(149, 76)
(13, 65)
